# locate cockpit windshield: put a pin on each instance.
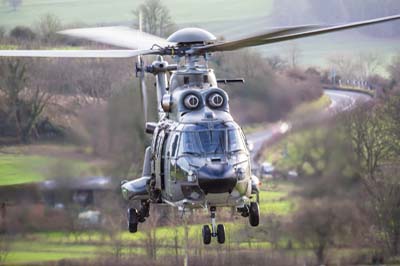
(215, 141)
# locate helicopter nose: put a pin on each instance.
(217, 178)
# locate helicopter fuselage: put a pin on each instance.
(199, 155)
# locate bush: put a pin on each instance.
(22, 34)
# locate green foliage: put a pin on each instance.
(309, 108)
(23, 34)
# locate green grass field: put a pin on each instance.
(120, 12)
(17, 169)
(21, 168)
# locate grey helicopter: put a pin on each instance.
(198, 157)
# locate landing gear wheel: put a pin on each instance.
(206, 234)
(132, 220)
(254, 214)
(221, 233)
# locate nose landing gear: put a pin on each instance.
(217, 231)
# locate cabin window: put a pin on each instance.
(174, 145)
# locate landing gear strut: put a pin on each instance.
(138, 216)
(217, 231)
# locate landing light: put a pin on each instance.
(191, 176)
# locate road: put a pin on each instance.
(340, 101)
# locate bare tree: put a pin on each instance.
(294, 54)
(318, 225)
(374, 134)
(156, 18)
(277, 63)
(112, 225)
(13, 82)
(345, 66)
(48, 26)
(369, 64)
(5, 246)
(151, 240)
(25, 105)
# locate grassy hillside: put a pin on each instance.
(27, 164)
(120, 12)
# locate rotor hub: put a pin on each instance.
(192, 36)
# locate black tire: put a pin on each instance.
(132, 220)
(132, 227)
(221, 233)
(206, 235)
(254, 211)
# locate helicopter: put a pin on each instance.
(199, 157)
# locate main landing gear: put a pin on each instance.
(252, 211)
(138, 216)
(217, 231)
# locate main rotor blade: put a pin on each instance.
(119, 36)
(76, 53)
(285, 34)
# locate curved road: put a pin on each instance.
(340, 101)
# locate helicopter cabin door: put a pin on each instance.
(170, 162)
(160, 159)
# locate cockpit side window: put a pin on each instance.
(236, 141)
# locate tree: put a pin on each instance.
(22, 34)
(394, 70)
(48, 26)
(328, 186)
(374, 132)
(368, 64)
(320, 224)
(24, 105)
(345, 66)
(155, 17)
(12, 84)
(294, 54)
(277, 63)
